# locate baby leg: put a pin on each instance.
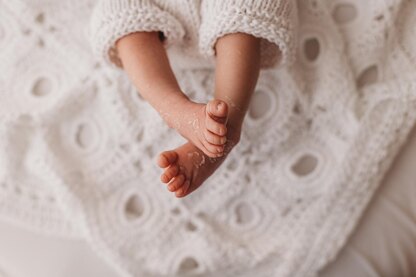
(145, 60)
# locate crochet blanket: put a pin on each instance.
(78, 144)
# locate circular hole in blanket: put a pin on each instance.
(232, 165)
(42, 87)
(188, 265)
(312, 49)
(40, 18)
(190, 226)
(260, 104)
(139, 136)
(138, 165)
(134, 207)
(344, 13)
(368, 76)
(84, 136)
(305, 165)
(244, 213)
(176, 211)
(41, 43)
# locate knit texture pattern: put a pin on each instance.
(78, 145)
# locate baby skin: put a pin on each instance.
(212, 129)
(203, 125)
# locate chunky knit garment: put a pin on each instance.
(78, 144)
(194, 26)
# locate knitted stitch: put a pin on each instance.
(78, 144)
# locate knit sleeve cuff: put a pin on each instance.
(114, 19)
(273, 21)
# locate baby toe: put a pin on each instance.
(182, 191)
(169, 173)
(176, 183)
(218, 110)
(167, 158)
(212, 150)
(214, 139)
(215, 127)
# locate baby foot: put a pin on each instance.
(187, 167)
(203, 125)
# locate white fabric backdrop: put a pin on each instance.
(384, 243)
(27, 254)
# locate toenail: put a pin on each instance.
(219, 105)
(171, 187)
(223, 140)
